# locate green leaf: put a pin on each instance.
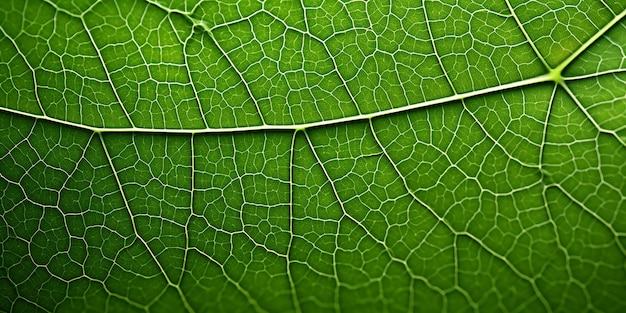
(237, 156)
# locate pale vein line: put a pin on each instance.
(106, 72)
(243, 224)
(344, 83)
(495, 254)
(437, 56)
(607, 6)
(181, 294)
(209, 32)
(339, 200)
(347, 216)
(145, 63)
(496, 141)
(589, 42)
(294, 296)
(132, 220)
(595, 75)
(595, 215)
(343, 212)
(32, 69)
(544, 138)
(593, 121)
(526, 35)
(64, 186)
(457, 265)
(251, 300)
(434, 214)
(188, 71)
(302, 126)
(239, 74)
(546, 207)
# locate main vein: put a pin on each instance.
(522, 83)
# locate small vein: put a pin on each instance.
(461, 233)
(294, 296)
(106, 72)
(432, 42)
(35, 85)
(589, 117)
(188, 72)
(130, 214)
(526, 35)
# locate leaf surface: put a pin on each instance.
(313, 156)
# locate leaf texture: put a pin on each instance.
(313, 156)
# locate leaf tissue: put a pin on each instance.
(313, 156)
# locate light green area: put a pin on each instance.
(312, 156)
